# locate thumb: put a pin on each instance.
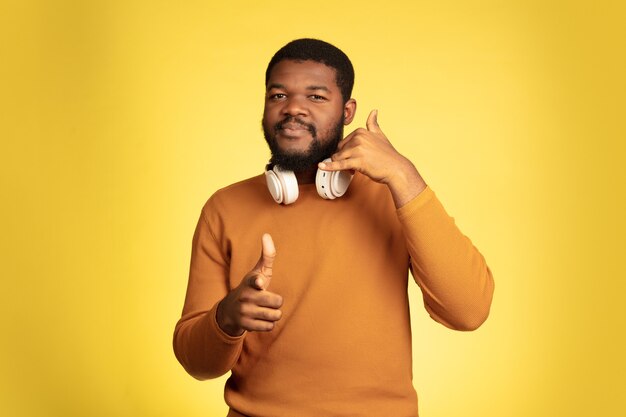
(266, 261)
(372, 122)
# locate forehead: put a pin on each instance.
(303, 73)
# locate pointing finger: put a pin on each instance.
(257, 281)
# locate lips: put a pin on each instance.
(293, 123)
(290, 130)
(293, 126)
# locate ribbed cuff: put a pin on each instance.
(417, 203)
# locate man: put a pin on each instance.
(318, 324)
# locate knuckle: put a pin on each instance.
(249, 282)
(243, 309)
(274, 315)
(245, 324)
(264, 299)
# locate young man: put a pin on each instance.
(318, 324)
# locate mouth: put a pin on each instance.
(294, 128)
(294, 132)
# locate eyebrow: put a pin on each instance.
(318, 87)
(275, 85)
(309, 88)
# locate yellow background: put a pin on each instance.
(119, 118)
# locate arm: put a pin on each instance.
(455, 281)
(202, 348)
(209, 336)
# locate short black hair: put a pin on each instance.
(307, 49)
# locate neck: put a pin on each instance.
(307, 176)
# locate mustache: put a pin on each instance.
(291, 119)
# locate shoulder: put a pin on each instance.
(245, 187)
(251, 191)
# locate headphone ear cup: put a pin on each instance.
(288, 185)
(274, 186)
(332, 184)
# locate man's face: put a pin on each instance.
(304, 114)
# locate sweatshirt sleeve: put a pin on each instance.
(202, 348)
(456, 283)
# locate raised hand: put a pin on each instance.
(250, 306)
(369, 152)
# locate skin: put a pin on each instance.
(250, 306)
(370, 152)
(308, 90)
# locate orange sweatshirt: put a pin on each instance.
(343, 344)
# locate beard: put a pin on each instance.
(319, 149)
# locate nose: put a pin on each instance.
(295, 106)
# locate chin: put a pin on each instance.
(294, 150)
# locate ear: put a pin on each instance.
(349, 110)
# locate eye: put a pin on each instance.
(277, 96)
(316, 97)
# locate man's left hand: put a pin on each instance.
(369, 152)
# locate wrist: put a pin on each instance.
(406, 183)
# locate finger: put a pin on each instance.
(347, 139)
(347, 153)
(267, 299)
(265, 263)
(256, 281)
(372, 122)
(343, 165)
(253, 325)
(252, 298)
(267, 255)
(265, 314)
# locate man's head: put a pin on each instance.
(317, 51)
(307, 102)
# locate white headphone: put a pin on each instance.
(284, 187)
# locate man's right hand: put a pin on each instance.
(250, 306)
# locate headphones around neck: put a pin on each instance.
(284, 187)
